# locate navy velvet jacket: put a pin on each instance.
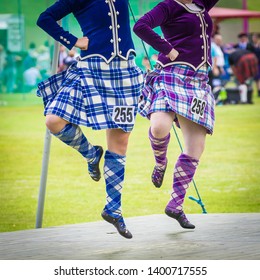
(104, 22)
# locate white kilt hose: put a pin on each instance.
(95, 94)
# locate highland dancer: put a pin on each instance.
(100, 91)
(178, 91)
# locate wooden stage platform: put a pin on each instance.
(156, 237)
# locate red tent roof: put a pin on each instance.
(226, 13)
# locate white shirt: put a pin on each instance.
(31, 76)
(219, 54)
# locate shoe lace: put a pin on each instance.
(158, 173)
(92, 166)
(183, 218)
(121, 223)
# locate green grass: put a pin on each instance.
(227, 177)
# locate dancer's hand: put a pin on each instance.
(173, 54)
(82, 43)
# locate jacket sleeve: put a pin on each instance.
(144, 28)
(209, 4)
(48, 22)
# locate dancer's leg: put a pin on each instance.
(194, 142)
(73, 136)
(159, 135)
(114, 171)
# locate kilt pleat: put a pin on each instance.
(246, 68)
(87, 92)
(173, 89)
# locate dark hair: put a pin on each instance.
(256, 34)
(32, 45)
(242, 34)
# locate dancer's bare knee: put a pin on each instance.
(55, 123)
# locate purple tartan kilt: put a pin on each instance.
(173, 88)
(87, 92)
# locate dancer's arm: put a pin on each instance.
(48, 22)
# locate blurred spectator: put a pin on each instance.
(10, 71)
(31, 77)
(2, 63)
(244, 65)
(63, 53)
(146, 64)
(32, 50)
(71, 57)
(218, 62)
(28, 61)
(256, 51)
(243, 42)
(216, 28)
(44, 61)
(227, 49)
(30, 56)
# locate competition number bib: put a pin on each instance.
(198, 106)
(123, 114)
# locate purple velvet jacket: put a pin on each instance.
(186, 31)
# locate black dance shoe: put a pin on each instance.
(180, 217)
(118, 223)
(93, 168)
(158, 175)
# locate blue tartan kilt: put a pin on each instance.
(87, 92)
